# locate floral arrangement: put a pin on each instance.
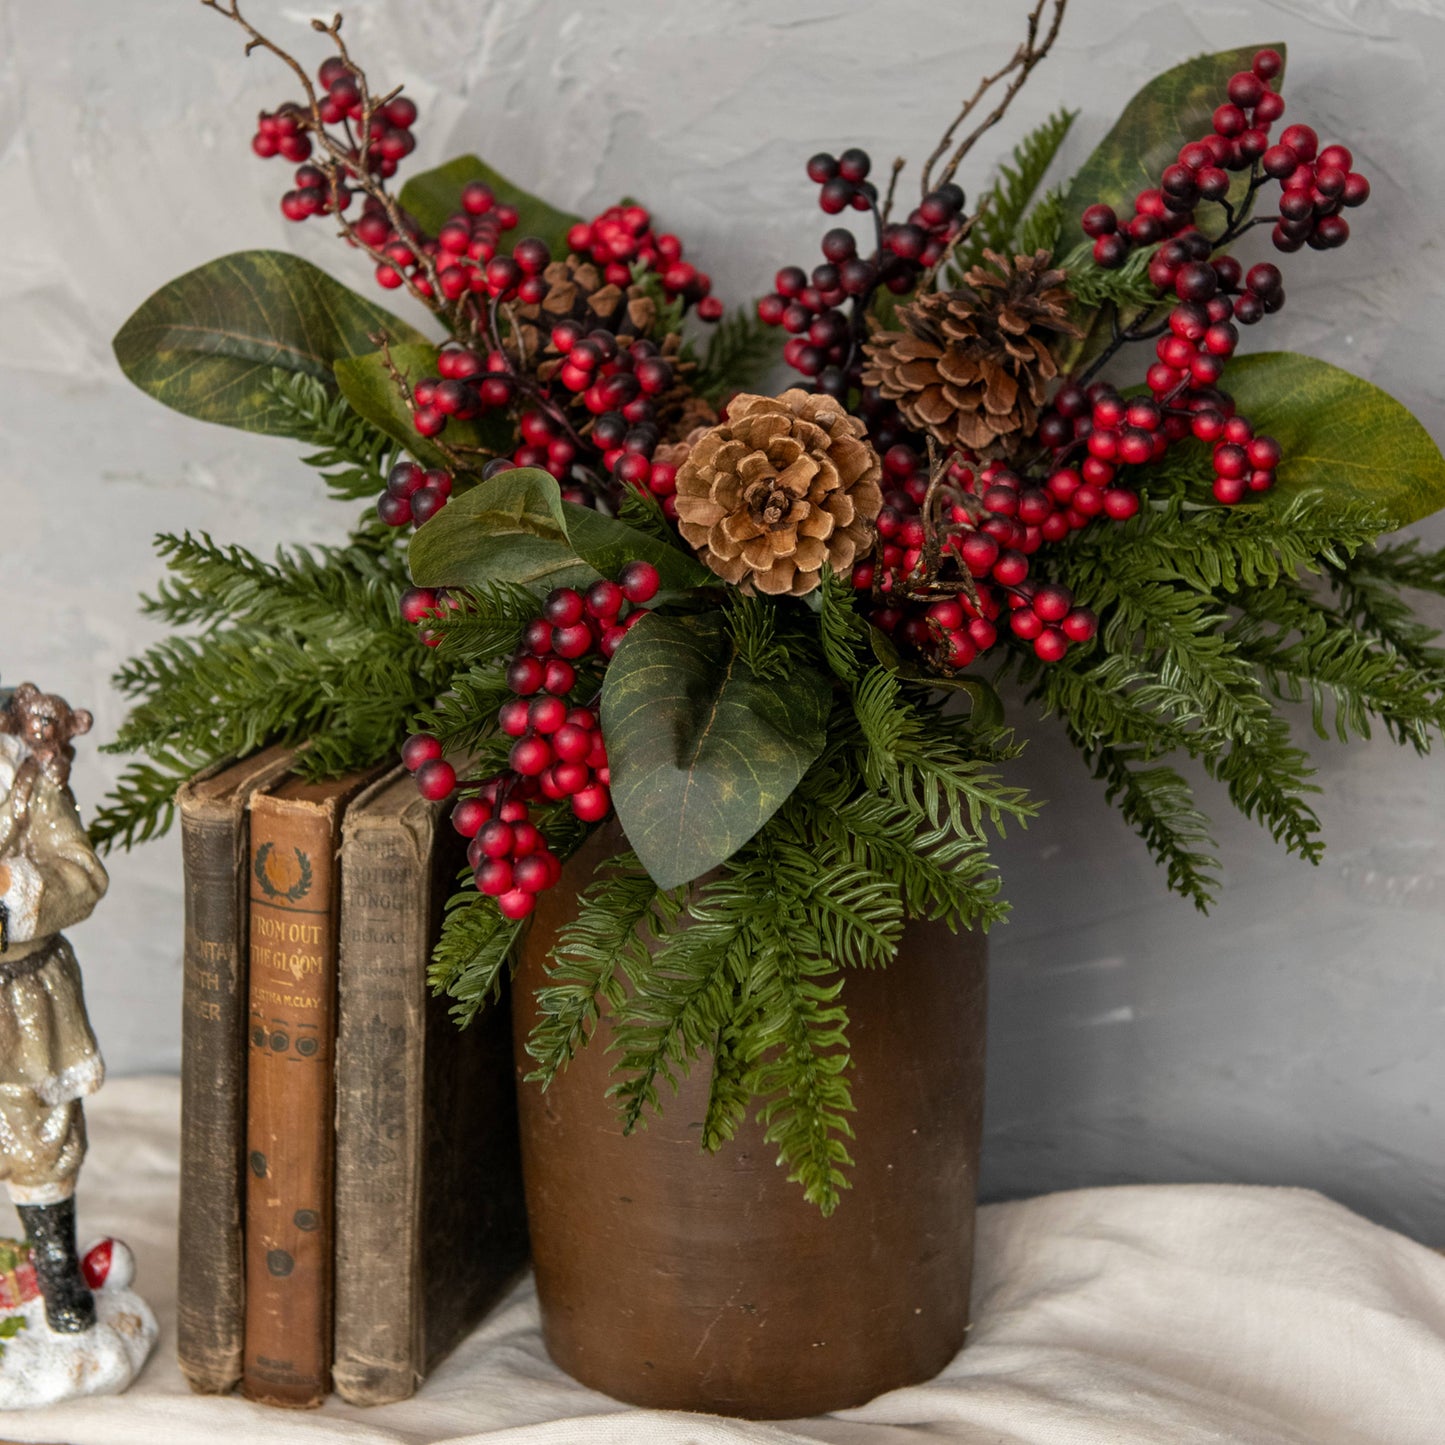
(608, 576)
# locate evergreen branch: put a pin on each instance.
(348, 594)
(142, 805)
(753, 627)
(474, 948)
(1159, 805)
(1267, 780)
(640, 509)
(1041, 228)
(930, 761)
(1128, 288)
(1219, 548)
(740, 353)
(678, 1007)
(1403, 564)
(355, 456)
(843, 633)
(593, 954)
(481, 624)
(1308, 651)
(1002, 209)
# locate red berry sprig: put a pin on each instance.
(557, 754)
(993, 520)
(824, 338)
(622, 237)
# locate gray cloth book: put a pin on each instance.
(430, 1224)
(214, 853)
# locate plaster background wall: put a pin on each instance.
(1298, 1035)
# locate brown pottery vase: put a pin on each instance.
(676, 1279)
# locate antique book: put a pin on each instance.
(210, 1290)
(295, 834)
(429, 1218)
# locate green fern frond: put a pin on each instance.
(354, 456)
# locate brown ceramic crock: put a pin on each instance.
(675, 1279)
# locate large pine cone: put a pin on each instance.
(972, 366)
(782, 486)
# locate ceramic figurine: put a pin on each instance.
(68, 1327)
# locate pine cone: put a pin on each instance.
(972, 366)
(575, 292)
(782, 486)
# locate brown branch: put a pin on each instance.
(898, 164)
(1028, 55)
(339, 161)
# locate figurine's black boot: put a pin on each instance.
(50, 1228)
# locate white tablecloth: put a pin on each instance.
(1159, 1315)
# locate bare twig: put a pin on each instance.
(1024, 59)
(348, 162)
(898, 164)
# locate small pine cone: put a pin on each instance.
(972, 366)
(782, 486)
(576, 292)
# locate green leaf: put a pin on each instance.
(1171, 110)
(1346, 443)
(608, 544)
(506, 529)
(208, 342)
(433, 197)
(702, 752)
(369, 389)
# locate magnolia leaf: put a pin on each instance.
(207, 342)
(610, 544)
(1344, 441)
(987, 710)
(1170, 111)
(369, 388)
(1173, 109)
(702, 751)
(434, 196)
(505, 529)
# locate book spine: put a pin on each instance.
(385, 878)
(291, 1029)
(210, 1287)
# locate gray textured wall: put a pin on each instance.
(1294, 1037)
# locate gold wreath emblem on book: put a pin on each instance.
(267, 863)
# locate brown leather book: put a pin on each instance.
(210, 1293)
(295, 833)
(430, 1224)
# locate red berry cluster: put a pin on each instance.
(823, 339)
(413, 495)
(993, 520)
(378, 147)
(558, 753)
(464, 252)
(622, 237)
(1315, 183)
